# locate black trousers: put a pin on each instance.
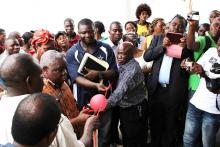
(166, 121)
(134, 125)
(114, 125)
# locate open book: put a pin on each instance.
(91, 62)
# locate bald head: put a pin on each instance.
(127, 46)
(18, 69)
(125, 52)
(36, 117)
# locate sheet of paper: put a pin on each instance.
(174, 51)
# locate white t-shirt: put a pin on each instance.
(114, 47)
(65, 135)
(203, 99)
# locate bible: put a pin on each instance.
(91, 62)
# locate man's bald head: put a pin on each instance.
(127, 46)
(125, 52)
(35, 118)
(18, 69)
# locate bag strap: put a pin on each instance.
(207, 46)
(207, 43)
(216, 103)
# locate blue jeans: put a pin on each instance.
(196, 121)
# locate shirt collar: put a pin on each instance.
(95, 49)
(54, 85)
(124, 66)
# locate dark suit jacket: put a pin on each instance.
(178, 84)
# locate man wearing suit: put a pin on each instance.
(167, 85)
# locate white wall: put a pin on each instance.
(26, 15)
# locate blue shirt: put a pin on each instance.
(7, 145)
(74, 56)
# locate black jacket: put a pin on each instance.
(178, 84)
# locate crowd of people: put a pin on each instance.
(159, 87)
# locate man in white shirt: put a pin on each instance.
(202, 114)
(11, 47)
(22, 76)
(35, 122)
(115, 35)
(114, 39)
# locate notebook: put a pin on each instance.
(174, 37)
(91, 62)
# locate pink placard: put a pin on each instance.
(174, 51)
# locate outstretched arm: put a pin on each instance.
(191, 42)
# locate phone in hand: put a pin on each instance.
(174, 37)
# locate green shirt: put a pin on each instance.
(195, 78)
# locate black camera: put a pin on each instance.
(213, 85)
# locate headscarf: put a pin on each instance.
(41, 36)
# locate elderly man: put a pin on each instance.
(54, 72)
(22, 76)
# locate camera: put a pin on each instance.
(213, 85)
(193, 16)
(215, 68)
(189, 65)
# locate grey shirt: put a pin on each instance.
(131, 89)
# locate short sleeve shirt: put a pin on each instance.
(203, 99)
(74, 56)
(194, 78)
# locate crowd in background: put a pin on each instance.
(157, 83)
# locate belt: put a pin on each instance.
(163, 85)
